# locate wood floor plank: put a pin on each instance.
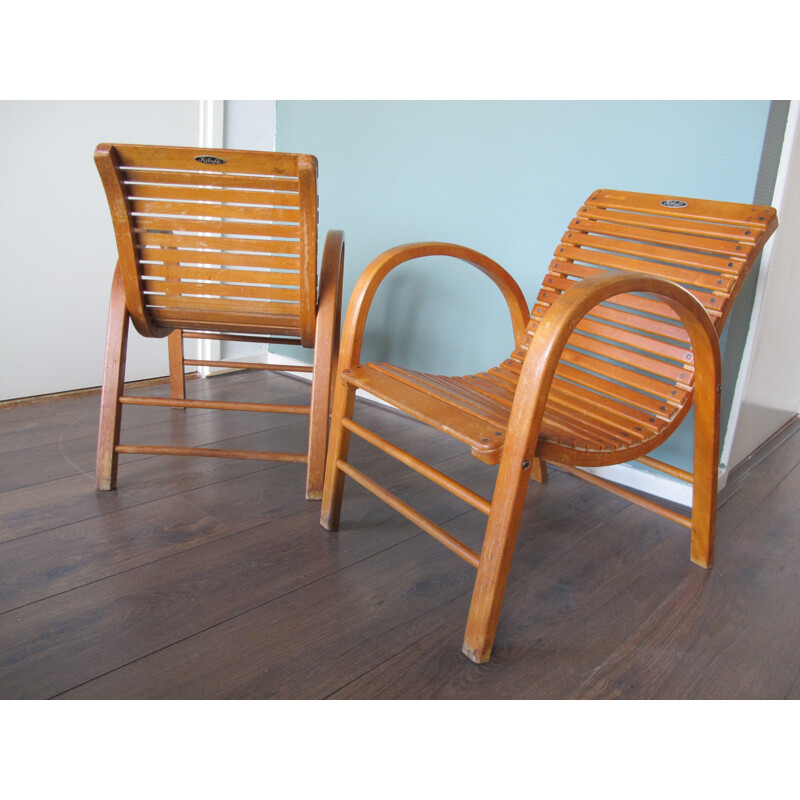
(756, 651)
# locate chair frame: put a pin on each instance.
(318, 324)
(523, 454)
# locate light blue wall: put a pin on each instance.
(504, 178)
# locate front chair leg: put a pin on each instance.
(495, 562)
(343, 404)
(113, 383)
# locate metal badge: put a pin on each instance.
(673, 203)
(209, 160)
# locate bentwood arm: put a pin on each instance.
(380, 267)
(521, 446)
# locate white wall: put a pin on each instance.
(58, 244)
(771, 386)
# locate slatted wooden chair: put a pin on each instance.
(622, 340)
(218, 244)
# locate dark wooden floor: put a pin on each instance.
(211, 578)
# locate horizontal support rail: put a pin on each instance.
(411, 514)
(680, 519)
(445, 481)
(233, 337)
(252, 455)
(194, 362)
(668, 469)
(223, 405)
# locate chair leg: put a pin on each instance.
(495, 561)
(319, 418)
(538, 470)
(177, 379)
(704, 488)
(113, 382)
(343, 403)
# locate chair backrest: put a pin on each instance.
(627, 372)
(214, 240)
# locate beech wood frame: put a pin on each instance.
(524, 453)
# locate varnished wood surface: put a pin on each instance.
(211, 578)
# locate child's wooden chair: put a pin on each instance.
(622, 340)
(218, 244)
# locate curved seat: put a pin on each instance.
(621, 342)
(218, 244)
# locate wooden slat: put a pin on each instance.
(712, 302)
(230, 322)
(696, 209)
(639, 322)
(449, 391)
(484, 439)
(621, 336)
(606, 410)
(186, 257)
(731, 249)
(177, 272)
(157, 238)
(222, 305)
(671, 255)
(179, 158)
(153, 222)
(560, 425)
(264, 182)
(688, 277)
(218, 195)
(215, 210)
(674, 224)
(228, 290)
(654, 406)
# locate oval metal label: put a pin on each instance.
(209, 160)
(674, 203)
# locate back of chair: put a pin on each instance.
(627, 373)
(216, 241)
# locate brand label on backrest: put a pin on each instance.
(209, 160)
(673, 204)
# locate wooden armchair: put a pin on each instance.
(218, 244)
(622, 340)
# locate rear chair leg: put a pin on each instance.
(113, 382)
(177, 377)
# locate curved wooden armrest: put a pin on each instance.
(329, 302)
(545, 351)
(380, 267)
